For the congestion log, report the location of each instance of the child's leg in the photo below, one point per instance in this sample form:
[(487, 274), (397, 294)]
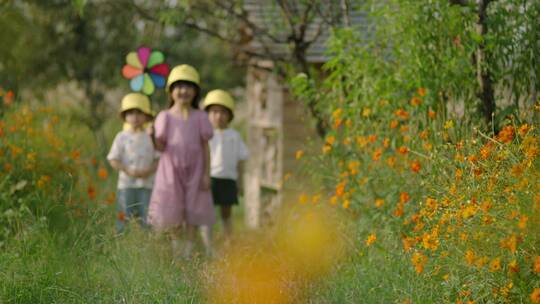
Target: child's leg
[(225, 211), (206, 236), (190, 239), (124, 198), (176, 242), (143, 199)]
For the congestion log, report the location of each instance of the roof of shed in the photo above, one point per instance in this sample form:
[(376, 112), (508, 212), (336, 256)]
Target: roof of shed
[(267, 16)]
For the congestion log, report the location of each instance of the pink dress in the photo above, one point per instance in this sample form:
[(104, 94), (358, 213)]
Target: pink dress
[(177, 196)]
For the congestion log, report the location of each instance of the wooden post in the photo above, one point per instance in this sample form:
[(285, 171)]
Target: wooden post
[(264, 168)]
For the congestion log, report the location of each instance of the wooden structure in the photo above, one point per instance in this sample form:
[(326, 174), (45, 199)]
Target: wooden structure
[(277, 125)]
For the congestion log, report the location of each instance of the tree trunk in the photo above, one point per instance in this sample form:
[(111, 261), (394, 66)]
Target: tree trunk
[(486, 93)]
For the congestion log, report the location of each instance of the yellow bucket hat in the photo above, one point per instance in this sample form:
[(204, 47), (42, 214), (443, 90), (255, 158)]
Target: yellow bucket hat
[(136, 101), (219, 97), (183, 72)]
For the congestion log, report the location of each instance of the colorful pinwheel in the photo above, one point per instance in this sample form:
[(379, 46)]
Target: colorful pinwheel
[(146, 70)]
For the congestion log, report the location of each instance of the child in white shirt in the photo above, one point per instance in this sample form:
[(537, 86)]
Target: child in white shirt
[(132, 153), (227, 153)]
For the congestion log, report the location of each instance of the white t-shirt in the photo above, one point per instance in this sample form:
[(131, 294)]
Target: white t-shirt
[(135, 151), (226, 150)]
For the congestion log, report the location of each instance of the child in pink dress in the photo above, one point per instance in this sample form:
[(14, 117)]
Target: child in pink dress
[(181, 193)]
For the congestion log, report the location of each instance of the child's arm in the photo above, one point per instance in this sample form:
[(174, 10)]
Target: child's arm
[(240, 181), (158, 145), (117, 165), (149, 171), (205, 183)]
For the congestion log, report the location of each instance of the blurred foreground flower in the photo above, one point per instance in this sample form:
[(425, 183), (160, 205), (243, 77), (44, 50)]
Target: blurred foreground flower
[(305, 247)]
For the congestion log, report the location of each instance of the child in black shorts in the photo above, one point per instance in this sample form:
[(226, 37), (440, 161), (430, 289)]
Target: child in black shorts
[(227, 153)]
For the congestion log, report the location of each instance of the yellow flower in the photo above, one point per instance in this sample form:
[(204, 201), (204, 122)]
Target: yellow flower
[(44, 179), (330, 139), (536, 266), (371, 239), (366, 112), (346, 204), (513, 267), (431, 203), (303, 198), (379, 202), (468, 211), (470, 257), (522, 224), (326, 149), (495, 265), (337, 113), (299, 154), (449, 124)]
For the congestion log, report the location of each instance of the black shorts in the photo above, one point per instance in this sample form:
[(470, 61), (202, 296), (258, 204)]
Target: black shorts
[(224, 191)]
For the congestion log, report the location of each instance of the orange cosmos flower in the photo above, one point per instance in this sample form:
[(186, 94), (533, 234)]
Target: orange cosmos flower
[(377, 154), (535, 295), (337, 123), (506, 135), (75, 154), (415, 166), (102, 173), (110, 198), (340, 189), (403, 150), (404, 197), (379, 203), (416, 101), (402, 114), (421, 92), (394, 124), (408, 243), (418, 260), (484, 152), (8, 98), (398, 212), (91, 191), (524, 129), (431, 114), (121, 216), (391, 161), (424, 134), (371, 239)]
